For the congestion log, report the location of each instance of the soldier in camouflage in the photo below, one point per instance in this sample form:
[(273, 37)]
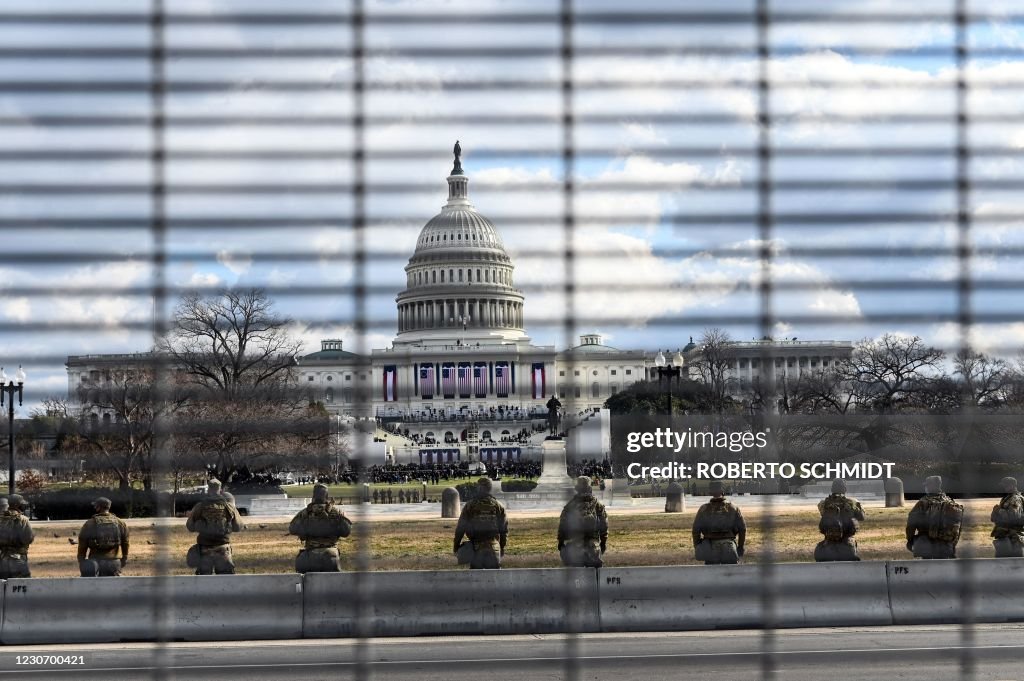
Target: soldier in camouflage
[(484, 521), (100, 541), (15, 536), (319, 526), (840, 516), (583, 528), (213, 519), (1008, 517), (933, 526), (719, 531)]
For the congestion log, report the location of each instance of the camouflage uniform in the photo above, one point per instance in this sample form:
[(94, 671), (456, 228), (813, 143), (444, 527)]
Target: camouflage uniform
[(1008, 533), (100, 540), (719, 532), (15, 536), (319, 526), (583, 531), (933, 526), (214, 519), (484, 521), (839, 517)]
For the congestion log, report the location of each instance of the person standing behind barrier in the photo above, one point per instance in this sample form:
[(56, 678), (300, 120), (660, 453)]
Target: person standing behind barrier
[(100, 540), (719, 531), (840, 516), (213, 519), (484, 521), (583, 528), (1008, 516), (933, 526), (319, 526), (15, 536)]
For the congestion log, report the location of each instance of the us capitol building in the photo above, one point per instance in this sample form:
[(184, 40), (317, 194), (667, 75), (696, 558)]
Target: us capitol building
[(462, 373)]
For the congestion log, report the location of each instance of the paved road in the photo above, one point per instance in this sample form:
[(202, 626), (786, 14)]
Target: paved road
[(851, 654)]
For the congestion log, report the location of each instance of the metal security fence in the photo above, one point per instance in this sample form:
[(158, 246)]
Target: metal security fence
[(777, 169)]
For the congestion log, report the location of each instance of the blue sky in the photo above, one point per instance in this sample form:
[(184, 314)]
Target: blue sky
[(648, 271)]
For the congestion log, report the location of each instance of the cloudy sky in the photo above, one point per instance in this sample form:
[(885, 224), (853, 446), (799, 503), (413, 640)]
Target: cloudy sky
[(666, 172)]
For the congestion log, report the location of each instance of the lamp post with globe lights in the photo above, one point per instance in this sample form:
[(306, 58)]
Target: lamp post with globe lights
[(669, 372), (8, 389)]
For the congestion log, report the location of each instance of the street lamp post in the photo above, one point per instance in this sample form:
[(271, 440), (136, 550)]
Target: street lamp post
[(668, 373), (8, 392)]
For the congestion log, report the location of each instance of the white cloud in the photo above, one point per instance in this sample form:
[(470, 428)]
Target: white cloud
[(237, 263), (18, 309), (203, 280)]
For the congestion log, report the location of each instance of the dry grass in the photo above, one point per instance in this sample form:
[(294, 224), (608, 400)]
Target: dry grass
[(636, 539)]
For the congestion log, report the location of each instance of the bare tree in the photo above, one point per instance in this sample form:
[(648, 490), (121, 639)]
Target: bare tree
[(884, 373), (115, 417), (985, 381), (244, 409), (713, 362)]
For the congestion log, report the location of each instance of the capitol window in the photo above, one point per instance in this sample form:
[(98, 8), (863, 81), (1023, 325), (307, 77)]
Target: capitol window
[(614, 372), (330, 378), (310, 378), (629, 372)]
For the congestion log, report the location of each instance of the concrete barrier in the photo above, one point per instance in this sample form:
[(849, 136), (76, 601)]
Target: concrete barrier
[(106, 609), (531, 601), (730, 596), (930, 591)]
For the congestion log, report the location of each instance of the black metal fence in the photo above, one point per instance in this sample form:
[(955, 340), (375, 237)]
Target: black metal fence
[(770, 168)]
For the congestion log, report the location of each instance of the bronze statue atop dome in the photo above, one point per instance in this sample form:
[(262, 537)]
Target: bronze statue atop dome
[(457, 168)]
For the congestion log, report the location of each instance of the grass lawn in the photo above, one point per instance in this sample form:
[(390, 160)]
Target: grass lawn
[(655, 539)]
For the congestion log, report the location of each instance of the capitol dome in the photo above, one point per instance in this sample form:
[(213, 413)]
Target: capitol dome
[(459, 279)]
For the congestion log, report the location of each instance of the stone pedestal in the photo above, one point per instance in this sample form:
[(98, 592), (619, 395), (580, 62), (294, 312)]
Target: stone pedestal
[(451, 505), (674, 498), (893, 493), (554, 473)]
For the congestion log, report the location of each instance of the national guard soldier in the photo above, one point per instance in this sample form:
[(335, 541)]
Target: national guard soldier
[(840, 516), (15, 536), (319, 526), (484, 521), (100, 540), (583, 528), (1008, 516), (213, 519), (719, 531), (933, 526)]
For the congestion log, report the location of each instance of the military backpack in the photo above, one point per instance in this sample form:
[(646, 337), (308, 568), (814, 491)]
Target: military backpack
[(483, 522), (106, 533), (214, 518), (719, 518), (10, 530), (585, 520), (318, 521), (944, 517), (837, 521)]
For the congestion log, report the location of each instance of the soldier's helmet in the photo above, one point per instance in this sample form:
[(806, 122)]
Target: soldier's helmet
[(1008, 484), (17, 502), (485, 485), (583, 485), (838, 487), (213, 485), (101, 502), (933, 484), (716, 487), (320, 492)]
